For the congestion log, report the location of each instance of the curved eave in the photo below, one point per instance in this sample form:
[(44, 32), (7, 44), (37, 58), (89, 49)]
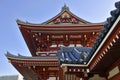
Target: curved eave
[(19, 22), (11, 56), (22, 23), (65, 29)]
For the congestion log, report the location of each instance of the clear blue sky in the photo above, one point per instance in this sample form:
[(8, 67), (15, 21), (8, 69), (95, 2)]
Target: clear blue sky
[(38, 11)]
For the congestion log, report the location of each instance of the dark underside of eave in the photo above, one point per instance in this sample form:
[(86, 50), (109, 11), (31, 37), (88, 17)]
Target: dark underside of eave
[(109, 58)]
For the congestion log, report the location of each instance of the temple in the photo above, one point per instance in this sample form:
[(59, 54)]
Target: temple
[(67, 47)]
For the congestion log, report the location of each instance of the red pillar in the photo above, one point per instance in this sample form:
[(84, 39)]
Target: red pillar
[(61, 74), (45, 73), (56, 76), (45, 77)]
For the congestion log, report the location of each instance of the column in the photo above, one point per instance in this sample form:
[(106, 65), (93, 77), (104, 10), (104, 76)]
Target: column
[(45, 78), (56, 76), (61, 74), (45, 73)]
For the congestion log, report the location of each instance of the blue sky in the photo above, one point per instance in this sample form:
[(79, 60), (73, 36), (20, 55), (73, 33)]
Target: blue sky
[(38, 11)]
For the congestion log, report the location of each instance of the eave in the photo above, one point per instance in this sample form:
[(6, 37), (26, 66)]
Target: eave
[(22, 23), (63, 27), (24, 58)]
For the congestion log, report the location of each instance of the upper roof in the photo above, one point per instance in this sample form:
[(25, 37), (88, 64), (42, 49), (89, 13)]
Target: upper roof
[(65, 17)]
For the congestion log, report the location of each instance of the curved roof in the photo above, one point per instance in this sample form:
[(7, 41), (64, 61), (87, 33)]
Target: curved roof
[(65, 10), (20, 57), (107, 26), (73, 55), (107, 29)]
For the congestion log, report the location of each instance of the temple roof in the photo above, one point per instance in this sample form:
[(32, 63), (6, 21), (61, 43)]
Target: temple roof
[(66, 12), (20, 57), (20, 22), (67, 56), (65, 17), (73, 55), (107, 29)]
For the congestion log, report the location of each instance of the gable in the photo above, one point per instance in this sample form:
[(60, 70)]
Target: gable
[(66, 17)]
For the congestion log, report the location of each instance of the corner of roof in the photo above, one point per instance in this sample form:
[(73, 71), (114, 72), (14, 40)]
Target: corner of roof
[(8, 54), (20, 22)]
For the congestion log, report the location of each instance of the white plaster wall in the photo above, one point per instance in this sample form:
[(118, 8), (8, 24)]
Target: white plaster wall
[(52, 78), (97, 77), (113, 72)]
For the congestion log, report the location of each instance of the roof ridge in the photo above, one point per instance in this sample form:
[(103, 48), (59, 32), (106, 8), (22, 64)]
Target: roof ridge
[(65, 7)]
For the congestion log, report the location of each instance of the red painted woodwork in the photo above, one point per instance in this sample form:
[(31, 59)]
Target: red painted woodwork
[(66, 29)]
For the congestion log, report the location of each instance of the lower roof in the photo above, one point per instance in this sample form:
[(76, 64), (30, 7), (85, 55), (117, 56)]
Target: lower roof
[(73, 55), (20, 57)]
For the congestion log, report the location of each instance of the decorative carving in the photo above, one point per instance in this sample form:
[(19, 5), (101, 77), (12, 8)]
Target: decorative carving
[(75, 36), (66, 19), (57, 36)]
